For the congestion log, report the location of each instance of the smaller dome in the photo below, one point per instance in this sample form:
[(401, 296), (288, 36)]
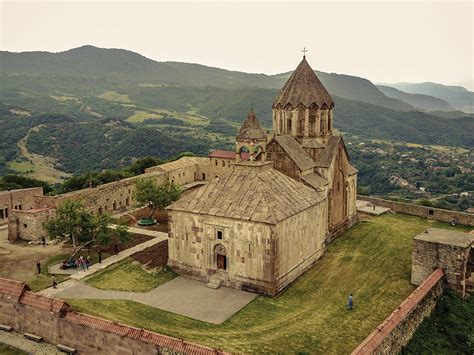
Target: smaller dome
[(251, 129)]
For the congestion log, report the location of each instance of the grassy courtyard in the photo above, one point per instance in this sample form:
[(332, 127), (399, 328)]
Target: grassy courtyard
[(372, 261), (129, 276)]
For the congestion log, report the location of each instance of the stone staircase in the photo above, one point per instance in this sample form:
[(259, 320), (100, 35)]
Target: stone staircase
[(215, 281)]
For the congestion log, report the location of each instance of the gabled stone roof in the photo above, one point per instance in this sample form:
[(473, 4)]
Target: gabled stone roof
[(251, 129), (252, 191), (295, 152), (303, 88), (315, 181)]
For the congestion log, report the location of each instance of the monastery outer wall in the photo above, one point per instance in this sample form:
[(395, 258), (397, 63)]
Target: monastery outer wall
[(431, 213), (299, 248), (452, 259), (53, 320), (111, 197), (398, 328), (249, 250)]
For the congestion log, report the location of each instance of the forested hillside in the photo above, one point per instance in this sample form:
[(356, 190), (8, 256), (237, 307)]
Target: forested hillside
[(91, 108)]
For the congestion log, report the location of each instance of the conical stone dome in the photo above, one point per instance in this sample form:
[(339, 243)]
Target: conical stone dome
[(251, 129), (303, 87)]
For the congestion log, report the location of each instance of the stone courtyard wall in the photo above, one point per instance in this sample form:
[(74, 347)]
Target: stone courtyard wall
[(112, 197), (52, 319), (436, 214), (398, 328)]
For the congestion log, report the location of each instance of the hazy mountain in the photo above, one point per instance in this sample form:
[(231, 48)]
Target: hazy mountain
[(457, 96), (126, 66), (423, 102)]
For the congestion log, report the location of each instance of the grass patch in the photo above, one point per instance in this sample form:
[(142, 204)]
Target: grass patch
[(114, 96), (372, 261), (45, 279), (129, 276), (8, 350), (21, 167), (140, 116)]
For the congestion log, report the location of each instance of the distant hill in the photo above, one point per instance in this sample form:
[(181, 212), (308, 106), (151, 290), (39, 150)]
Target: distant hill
[(457, 96), (96, 108), (126, 66), (422, 102)]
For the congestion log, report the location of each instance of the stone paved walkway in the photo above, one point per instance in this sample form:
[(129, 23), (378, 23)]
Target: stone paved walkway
[(18, 341), (158, 237), (182, 296)]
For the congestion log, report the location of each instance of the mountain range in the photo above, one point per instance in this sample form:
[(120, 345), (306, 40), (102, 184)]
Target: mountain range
[(116, 105)]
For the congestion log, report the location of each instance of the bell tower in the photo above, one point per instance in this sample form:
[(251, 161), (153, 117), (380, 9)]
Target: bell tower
[(251, 139), (303, 108)]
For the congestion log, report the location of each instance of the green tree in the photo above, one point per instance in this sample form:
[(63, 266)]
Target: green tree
[(156, 197), (72, 221)]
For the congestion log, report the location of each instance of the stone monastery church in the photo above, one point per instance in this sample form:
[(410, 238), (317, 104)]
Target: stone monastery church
[(265, 212), (285, 196)]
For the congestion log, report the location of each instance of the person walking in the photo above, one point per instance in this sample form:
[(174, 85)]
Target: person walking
[(99, 253), (88, 261), (350, 302), (38, 266), (43, 241), (116, 248), (55, 282)]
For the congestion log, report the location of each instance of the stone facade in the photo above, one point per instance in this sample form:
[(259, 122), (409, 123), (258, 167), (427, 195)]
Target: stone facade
[(28, 225), (22, 199), (447, 250)]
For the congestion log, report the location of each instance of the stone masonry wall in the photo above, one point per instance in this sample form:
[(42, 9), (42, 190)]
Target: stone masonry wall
[(398, 328), (452, 259), (52, 319), (299, 248), (436, 214), (28, 225), (249, 250), (22, 199)]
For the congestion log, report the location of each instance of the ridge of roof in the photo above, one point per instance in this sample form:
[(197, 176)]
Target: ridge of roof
[(251, 128), (303, 88), (302, 159), (253, 193)]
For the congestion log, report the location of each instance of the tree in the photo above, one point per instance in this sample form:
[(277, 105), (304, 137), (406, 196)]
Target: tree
[(156, 197), (72, 221)]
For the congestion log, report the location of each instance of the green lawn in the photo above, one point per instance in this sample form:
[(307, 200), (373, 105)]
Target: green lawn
[(129, 276), (8, 350), (45, 279), (372, 261)]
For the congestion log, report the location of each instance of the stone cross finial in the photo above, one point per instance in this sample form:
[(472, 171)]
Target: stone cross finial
[(304, 51)]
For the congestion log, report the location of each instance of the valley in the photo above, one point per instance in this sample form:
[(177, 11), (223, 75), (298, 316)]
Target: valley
[(58, 119)]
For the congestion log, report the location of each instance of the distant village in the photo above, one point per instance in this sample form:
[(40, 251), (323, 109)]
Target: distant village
[(434, 175)]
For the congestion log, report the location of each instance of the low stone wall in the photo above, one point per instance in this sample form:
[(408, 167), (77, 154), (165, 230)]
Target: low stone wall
[(436, 214), (52, 319), (398, 328)]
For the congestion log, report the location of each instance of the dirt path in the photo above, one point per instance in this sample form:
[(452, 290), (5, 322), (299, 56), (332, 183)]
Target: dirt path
[(18, 261), (43, 165)]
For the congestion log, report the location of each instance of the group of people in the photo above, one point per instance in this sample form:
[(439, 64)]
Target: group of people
[(80, 262)]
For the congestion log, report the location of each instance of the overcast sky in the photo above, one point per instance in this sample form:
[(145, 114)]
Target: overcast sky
[(384, 42)]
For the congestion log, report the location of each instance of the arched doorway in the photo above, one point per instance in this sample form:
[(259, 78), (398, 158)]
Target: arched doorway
[(220, 253)]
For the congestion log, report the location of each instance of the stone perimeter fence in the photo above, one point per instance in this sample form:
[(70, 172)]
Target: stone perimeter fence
[(432, 213), (397, 329), (56, 323)]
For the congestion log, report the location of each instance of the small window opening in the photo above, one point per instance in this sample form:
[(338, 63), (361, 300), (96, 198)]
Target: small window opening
[(219, 235)]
